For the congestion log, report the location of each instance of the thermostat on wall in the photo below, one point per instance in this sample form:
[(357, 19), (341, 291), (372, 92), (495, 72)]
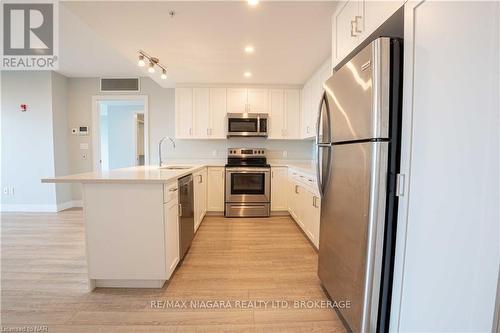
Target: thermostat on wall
[(82, 130)]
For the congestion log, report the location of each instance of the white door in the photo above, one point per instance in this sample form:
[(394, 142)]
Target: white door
[(258, 100), (279, 188), (344, 29), (292, 114), (237, 100), (201, 112), (218, 113), (171, 223), (183, 113), (215, 200), (276, 114)]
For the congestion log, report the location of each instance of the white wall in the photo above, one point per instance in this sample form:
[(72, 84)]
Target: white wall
[(27, 140), (60, 135)]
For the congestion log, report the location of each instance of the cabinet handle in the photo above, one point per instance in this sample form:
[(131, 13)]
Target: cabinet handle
[(173, 189), (307, 129), (356, 18), (297, 189), (315, 201), (200, 180), (179, 210), (353, 29), (190, 131)]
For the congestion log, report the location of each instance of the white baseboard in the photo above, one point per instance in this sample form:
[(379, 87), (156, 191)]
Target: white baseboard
[(70, 204), (40, 208)]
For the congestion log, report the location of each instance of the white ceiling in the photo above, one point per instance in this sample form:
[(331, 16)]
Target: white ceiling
[(202, 43)]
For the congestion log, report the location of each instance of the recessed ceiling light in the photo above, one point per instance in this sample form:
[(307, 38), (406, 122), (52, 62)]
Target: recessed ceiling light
[(247, 74), (253, 2), (249, 49)]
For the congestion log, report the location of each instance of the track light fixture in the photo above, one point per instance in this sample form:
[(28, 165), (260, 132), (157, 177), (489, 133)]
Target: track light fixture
[(153, 62)]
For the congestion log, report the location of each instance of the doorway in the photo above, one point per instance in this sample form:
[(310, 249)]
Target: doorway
[(120, 132)]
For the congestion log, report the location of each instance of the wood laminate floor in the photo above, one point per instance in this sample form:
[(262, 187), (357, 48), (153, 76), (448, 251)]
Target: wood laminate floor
[(238, 264)]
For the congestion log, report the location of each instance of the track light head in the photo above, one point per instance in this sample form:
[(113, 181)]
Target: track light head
[(164, 74), (141, 62)]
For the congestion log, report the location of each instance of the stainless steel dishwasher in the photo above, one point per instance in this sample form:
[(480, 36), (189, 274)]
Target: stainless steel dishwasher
[(186, 214)]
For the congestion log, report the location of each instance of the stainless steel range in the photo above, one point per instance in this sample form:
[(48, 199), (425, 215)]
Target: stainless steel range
[(248, 183)]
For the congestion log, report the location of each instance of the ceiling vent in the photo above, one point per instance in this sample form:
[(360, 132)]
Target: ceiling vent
[(120, 84)]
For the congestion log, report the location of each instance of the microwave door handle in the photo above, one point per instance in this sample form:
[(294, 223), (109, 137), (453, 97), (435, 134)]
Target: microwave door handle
[(258, 124)]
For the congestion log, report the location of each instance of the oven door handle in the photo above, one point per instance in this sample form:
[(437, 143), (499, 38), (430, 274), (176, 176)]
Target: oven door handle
[(248, 170)]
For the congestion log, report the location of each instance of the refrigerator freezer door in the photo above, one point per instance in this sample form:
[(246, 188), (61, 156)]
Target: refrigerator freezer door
[(358, 95), (352, 229)]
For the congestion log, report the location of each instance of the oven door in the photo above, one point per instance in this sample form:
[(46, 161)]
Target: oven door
[(246, 185)]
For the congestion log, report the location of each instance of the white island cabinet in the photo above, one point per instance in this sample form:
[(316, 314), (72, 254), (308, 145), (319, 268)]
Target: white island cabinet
[(132, 224)]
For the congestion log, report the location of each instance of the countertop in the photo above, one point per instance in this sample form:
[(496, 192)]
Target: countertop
[(153, 174)]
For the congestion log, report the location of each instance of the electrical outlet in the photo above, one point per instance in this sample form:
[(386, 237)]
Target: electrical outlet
[(84, 156), (285, 153), (6, 190)]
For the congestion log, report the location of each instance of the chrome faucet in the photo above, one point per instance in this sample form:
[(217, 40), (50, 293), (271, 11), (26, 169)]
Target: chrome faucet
[(159, 147)]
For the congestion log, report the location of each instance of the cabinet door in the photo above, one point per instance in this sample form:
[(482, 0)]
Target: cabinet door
[(197, 206), (201, 115), (258, 100), (276, 113), (218, 112), (237, 100), (183, 113), (292, 114), (344, 30), (204, 183), (215, 200), (298, 202), (306, 128), (171, 223), (312, 208), (279, 177), (290, 190), (377, 12)]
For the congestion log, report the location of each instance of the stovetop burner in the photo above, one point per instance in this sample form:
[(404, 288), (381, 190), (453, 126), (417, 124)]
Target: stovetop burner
[(247, 157)]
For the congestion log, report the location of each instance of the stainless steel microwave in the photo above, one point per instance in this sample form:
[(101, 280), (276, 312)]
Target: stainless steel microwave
[(246, 124)]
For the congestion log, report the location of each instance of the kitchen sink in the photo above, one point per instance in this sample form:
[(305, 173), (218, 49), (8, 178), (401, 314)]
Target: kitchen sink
[(176, 167)]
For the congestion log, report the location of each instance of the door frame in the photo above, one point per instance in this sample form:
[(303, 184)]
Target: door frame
[(96, 142)]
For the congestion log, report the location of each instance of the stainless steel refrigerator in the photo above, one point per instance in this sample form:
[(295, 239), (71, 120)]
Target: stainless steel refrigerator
[(358, 161)]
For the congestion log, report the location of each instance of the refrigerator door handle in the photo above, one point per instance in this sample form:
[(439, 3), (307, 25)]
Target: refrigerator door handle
[(321, 145)]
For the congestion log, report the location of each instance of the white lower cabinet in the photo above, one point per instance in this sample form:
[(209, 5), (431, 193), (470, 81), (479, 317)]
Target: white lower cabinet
[(279, 179), (215, 191), (171, 226), (304, 206), (200, 196)]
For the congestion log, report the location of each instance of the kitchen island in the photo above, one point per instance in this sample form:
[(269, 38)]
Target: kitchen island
[(131, 224)]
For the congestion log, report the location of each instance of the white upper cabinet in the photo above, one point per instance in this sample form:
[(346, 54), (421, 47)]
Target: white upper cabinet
[(183, 113), (276, 125), (354, 21), (258, 100), (284, 114), (311, 96), (292, 114), (346, 28), (237, 100), (218, 112), (241, 100), (201, 114)]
